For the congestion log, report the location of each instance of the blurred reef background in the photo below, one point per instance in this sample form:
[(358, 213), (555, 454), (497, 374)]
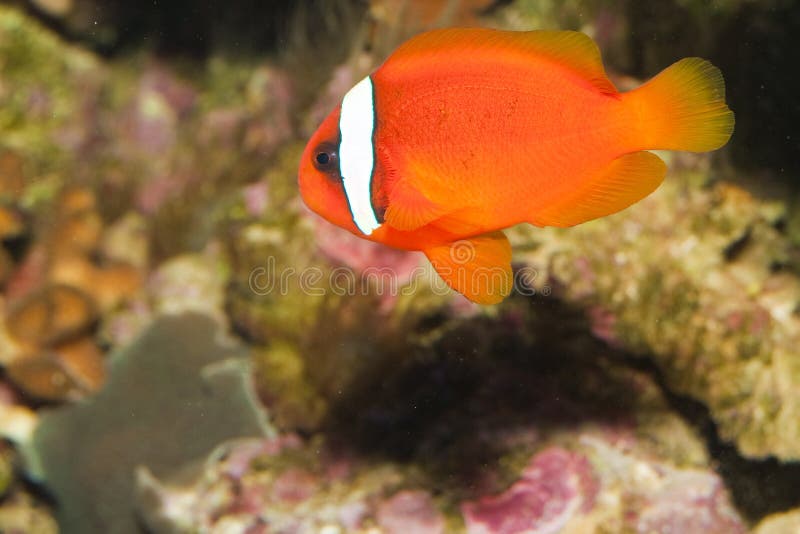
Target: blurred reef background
[(184, 348)]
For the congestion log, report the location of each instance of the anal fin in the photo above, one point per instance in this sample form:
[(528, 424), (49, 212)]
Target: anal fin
[(479, 268), (626, 180)]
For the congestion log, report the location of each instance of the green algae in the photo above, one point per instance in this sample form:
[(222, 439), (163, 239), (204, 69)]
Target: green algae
[(282, 377), (43, 83)]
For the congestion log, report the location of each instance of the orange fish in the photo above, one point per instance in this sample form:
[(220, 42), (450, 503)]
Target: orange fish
[(464, 132)]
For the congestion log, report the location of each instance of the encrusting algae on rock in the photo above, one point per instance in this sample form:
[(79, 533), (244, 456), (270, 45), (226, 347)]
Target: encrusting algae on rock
[(694, 284), (520, 446)]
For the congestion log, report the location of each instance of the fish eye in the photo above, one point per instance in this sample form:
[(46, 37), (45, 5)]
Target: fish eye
[(325, 158)]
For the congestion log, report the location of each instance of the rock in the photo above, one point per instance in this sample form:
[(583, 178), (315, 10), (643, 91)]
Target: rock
[(6, 467), (27, 518), (189, 283), (556, 486), (653, 496), (410, 511), (6, 267), (125, 241), (44, 98), (687, 276), (282, 381), (422, 15), (12, 175), (537, 435), (784, 523), (12, 224), (17, 423)]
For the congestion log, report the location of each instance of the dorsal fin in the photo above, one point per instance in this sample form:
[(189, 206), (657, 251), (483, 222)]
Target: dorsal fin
[(572, 50)]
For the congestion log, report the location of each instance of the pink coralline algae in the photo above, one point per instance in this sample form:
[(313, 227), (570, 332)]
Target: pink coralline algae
[(180, 96), (345, 249), (602, 322), (161, 101), (294, 486), (410, 511), (160, 189), (555, 487), (692, 502), (256, 199), (289, 487)]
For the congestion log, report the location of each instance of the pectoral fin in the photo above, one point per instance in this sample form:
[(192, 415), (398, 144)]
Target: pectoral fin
[(479, 268), (408, 208)]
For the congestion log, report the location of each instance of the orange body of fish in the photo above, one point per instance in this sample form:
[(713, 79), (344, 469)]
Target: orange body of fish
[(464, 132)]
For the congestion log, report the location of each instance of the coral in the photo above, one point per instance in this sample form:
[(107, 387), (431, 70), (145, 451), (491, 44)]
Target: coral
[(171, 397), (54, 314), (49, 354), (56, 296), (689, 276)]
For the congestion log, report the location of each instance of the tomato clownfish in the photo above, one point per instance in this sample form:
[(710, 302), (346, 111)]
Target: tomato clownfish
[(464, 132)]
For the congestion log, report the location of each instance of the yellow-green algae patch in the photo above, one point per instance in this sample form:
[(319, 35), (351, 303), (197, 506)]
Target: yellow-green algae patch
[(43, 82)]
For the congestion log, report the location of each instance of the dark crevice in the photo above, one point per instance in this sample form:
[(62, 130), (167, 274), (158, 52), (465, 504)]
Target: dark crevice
[(183, 28), (758, 487), (545, 372)]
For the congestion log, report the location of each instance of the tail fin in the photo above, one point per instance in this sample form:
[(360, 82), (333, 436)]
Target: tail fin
[(683, 108)]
